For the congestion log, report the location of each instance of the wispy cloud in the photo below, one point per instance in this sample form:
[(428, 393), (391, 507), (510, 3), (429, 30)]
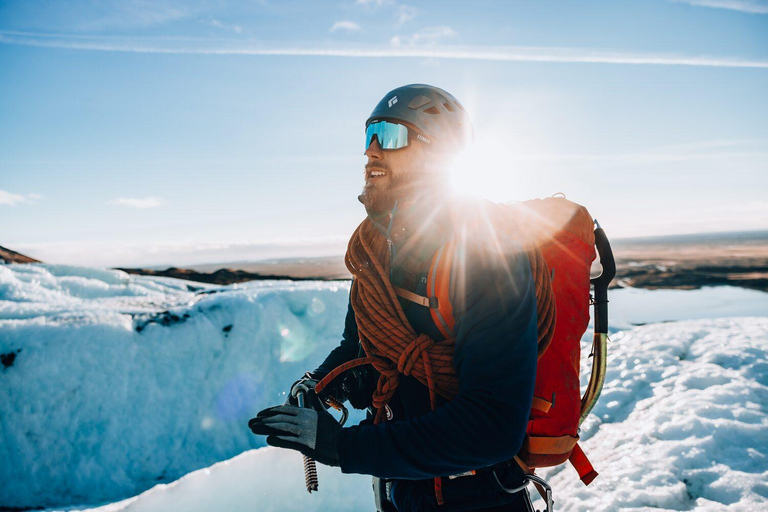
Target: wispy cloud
[(11, 199), (345, 25), (750, 6), (144, 202), (406, 13), (244, 47), (403, 13), (128, 14), (728, 150), (225, 26), (635, 158), (426, 36)]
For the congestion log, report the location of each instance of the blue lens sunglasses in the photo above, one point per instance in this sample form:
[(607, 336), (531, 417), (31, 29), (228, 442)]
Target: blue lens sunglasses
[(391, 135)]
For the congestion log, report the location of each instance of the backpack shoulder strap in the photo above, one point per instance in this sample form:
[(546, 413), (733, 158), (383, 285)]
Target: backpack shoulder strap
[(438, 290), (438, 286)]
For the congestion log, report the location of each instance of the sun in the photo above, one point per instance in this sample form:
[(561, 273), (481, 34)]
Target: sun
[(488, 168)]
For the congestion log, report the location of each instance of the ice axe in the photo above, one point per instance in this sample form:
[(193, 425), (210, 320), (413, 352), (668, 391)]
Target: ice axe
[(600, 340), (310, 466)]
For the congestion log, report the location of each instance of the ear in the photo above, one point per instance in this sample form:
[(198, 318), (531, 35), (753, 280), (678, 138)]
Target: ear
[(437, 164)]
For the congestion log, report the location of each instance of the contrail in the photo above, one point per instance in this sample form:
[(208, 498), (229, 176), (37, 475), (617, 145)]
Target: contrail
[(243, 47)]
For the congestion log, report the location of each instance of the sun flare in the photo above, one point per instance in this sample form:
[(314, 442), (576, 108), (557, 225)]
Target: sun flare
[(488, 168)]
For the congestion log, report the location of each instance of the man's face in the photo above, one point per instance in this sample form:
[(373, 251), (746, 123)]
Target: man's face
[(393, 174)]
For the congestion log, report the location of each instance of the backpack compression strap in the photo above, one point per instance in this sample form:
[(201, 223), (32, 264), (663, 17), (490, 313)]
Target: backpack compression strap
[(581, 464)]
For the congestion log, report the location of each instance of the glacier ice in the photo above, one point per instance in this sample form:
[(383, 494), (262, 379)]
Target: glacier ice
[(119, 384), (682, 425)]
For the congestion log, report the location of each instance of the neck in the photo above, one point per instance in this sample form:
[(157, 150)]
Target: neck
[(417, 220)]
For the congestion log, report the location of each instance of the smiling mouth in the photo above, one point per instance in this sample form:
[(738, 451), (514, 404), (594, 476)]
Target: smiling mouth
[(374, 175)]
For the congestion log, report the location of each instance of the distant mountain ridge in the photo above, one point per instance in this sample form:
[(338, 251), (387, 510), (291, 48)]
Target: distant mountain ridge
[(9, 256), (683, 262), (223, 276)]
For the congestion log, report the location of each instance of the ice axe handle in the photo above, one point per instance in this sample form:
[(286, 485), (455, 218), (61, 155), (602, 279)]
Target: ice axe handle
[(310, 467), (602, 281)]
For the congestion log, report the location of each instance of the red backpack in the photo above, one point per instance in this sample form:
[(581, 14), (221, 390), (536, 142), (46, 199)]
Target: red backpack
[(564, 232)]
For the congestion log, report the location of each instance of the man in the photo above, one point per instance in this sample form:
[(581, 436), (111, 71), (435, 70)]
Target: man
[(450, 452)]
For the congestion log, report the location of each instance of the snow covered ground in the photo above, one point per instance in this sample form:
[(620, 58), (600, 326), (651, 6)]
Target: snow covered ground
[(111, 383), (682, 423), (264, 480)]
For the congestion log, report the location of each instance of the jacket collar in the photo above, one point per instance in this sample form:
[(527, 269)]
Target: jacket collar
[(423, 222)]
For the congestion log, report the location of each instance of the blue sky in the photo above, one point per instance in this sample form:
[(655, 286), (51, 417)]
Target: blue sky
[(169, 132)]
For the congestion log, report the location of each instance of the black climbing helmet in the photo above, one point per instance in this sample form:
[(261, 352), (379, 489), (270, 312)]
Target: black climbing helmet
[(429, 110)]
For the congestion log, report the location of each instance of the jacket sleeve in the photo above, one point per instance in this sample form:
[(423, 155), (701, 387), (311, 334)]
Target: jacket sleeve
[(495, 359), (346, 351)]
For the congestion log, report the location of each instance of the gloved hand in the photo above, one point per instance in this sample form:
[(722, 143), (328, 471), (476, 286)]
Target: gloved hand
[(312, 431)]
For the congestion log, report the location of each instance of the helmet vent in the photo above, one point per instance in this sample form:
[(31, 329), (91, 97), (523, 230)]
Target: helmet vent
[(418, 101), (431, 110), (448, 107)]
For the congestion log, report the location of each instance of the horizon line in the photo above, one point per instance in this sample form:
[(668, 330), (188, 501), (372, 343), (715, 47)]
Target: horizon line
[(479, 53)]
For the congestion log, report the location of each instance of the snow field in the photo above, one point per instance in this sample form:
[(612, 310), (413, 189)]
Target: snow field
[(264, 480), (682, 423), (29, 291)]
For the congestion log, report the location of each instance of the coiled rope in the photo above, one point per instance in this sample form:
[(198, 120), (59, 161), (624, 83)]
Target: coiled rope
[(391, 344)]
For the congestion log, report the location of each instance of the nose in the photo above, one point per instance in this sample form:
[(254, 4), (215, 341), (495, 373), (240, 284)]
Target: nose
[(374, 151)]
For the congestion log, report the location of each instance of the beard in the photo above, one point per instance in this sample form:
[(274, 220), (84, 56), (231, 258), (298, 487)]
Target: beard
[(379, 194)]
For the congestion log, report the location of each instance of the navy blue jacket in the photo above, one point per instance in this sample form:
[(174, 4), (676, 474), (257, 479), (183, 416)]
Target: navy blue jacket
[(492, 293)]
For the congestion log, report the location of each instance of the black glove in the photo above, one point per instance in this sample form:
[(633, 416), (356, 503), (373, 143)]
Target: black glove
[(312, 431)]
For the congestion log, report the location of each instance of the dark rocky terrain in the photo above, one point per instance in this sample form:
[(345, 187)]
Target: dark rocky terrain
[(222, 276), (677, 262), (9, 256), (692, 261)]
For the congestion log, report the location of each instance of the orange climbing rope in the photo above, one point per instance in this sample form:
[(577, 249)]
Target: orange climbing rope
[(391, 344)]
